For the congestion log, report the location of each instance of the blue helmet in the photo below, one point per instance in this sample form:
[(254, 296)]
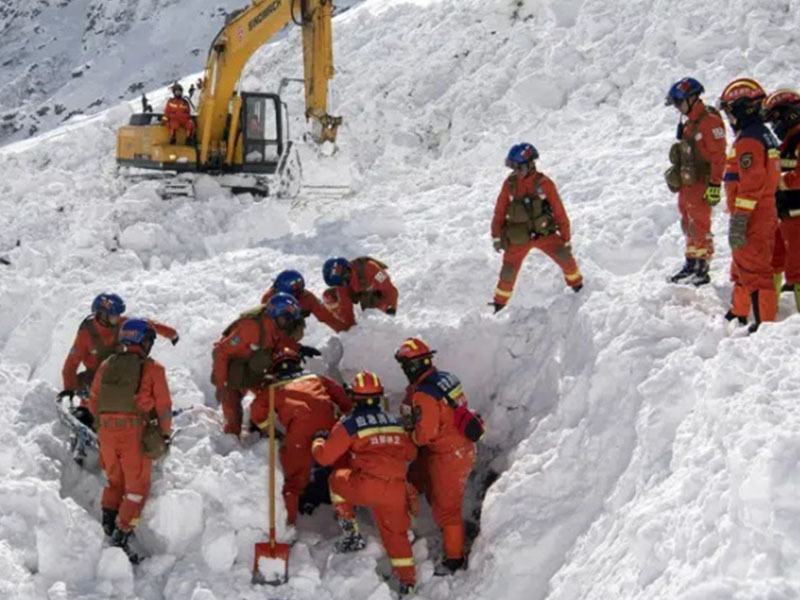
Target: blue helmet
[(334, 271), (289, 282), (683, 90), (137, 331), (283, 305), (109, 304), (521, 154)]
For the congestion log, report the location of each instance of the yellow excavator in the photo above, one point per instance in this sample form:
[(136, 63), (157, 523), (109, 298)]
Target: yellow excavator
[(238, 132)]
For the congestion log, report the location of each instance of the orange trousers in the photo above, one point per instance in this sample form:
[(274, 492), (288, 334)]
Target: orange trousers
[(786, 255), (696, 221), (553, 246), (442, 477), (232, 411), (127, 469), (387, 499), (751, 271), (176, 124)]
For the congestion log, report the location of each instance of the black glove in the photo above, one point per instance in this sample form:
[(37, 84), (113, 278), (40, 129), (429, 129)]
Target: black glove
[(65, 393), (309, 351), (321, 434), (167, 440), (391, 311), (175, 339)]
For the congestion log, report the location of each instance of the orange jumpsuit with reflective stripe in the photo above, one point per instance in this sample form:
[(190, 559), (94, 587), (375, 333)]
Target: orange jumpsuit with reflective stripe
[(310, 305), (304, 405), (178, 115), (120, 439), (445, 457), (552, 245), (786, 258), (84, 348), (340, 300), (708, 132), (244, 338), (751, 178), (379, 452)]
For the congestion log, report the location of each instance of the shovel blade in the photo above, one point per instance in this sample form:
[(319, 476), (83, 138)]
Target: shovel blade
[(271, 563)]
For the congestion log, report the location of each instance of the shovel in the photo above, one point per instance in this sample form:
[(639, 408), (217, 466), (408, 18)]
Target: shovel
[(271, 561)]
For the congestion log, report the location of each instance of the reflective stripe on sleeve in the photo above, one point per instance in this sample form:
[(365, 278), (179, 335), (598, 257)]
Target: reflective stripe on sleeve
[(745, 204)]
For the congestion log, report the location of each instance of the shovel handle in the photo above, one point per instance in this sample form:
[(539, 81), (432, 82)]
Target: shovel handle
[(272, 466)]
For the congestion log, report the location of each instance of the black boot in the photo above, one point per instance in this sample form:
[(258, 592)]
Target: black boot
[(350, 540), (729, 316), (687, 270), (497, 307), (404, 589), (577, 288), (109, 521), (121, 539), (756, 313), (787, 287), (448, 566), (701, 276)]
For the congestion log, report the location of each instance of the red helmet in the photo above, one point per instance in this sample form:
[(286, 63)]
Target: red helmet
[(413, 348), (176, 87), (286, 361), (367, 384), (742, 88), (779, 99)]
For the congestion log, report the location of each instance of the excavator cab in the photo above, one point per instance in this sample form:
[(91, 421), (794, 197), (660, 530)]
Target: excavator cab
[(263, 133)]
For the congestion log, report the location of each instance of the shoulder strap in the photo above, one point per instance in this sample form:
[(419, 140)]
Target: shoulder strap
[(97, 341)]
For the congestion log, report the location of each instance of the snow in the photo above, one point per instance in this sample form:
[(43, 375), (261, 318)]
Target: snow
[(646, 448)]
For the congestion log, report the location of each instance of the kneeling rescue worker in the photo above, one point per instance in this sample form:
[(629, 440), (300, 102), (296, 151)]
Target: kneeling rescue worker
[(379, 451), (304, 404), (96, 340), (445, 430), (130, 388), (242, 357), (698, 161), (363, 281), (782, 110), (529, 214), (751, 178), (292, 282), (178, 115)]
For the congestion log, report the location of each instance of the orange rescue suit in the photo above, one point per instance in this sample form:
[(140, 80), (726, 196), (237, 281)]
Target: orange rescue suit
[(310, 305), (751, 178), (379, 451), (94, 343), (367, 276), (707, 130), (178, 115), (553, 245), (787, 238), (120, 438), (304, 405), (445, 457), (243, 338)]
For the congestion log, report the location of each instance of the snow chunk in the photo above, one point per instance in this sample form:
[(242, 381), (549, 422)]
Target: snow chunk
[(115, 567), (219, 546), (176, 518)]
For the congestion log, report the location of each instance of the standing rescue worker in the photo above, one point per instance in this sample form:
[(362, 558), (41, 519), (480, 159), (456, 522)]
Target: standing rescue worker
[(304, 404), (698, 162), (782, 110), (292, 282), (129, 388), (446, 455), (529, 214), (363, 281), (751, 178), (96, 340), (178, 115), (242, 357), (379, 451)]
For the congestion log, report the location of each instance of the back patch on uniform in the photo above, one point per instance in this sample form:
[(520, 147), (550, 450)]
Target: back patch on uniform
[(746, 160)]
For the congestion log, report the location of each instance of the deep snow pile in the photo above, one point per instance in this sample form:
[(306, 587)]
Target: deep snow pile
[(645, 450)]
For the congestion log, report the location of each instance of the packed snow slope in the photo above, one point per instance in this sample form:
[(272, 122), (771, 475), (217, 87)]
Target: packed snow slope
[(645, 450)]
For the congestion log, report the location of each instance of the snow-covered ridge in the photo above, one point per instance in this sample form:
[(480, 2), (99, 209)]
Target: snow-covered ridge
[(646, 452)]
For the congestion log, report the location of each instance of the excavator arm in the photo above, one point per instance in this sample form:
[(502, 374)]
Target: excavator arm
[(245, 32)]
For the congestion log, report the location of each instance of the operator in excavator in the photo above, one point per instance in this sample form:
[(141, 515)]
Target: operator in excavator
[(178, 115)]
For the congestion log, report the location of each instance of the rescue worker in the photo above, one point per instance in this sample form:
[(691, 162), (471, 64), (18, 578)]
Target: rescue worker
[(782, 110), (698, 162), (292, 282), (379, 451), (363, 281), (446, 456), (95, 341), (529, 214), (304, 404), (178, 115), (751, 178), (242, 357), (128, 387)]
